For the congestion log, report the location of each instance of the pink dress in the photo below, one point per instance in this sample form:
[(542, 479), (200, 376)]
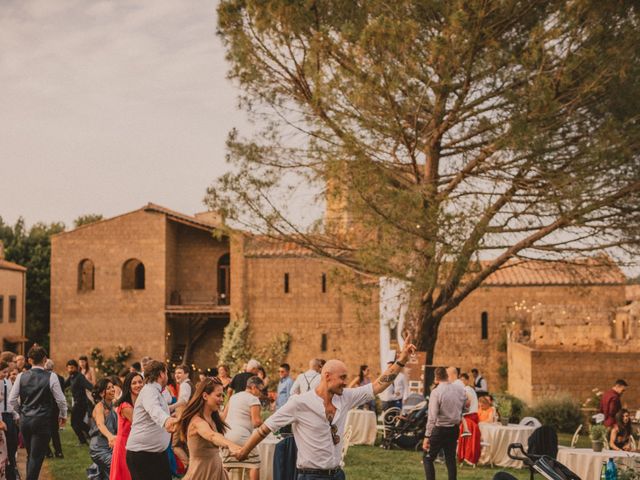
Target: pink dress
[(119, 470)]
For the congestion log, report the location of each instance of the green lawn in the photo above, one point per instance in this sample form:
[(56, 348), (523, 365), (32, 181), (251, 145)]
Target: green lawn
[(363, 463)]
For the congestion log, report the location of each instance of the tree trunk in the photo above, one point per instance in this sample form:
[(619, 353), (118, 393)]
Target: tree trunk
[(426, 342)]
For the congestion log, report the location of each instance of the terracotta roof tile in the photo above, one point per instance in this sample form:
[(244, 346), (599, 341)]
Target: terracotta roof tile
[(259, 246), (5, 265), (579, 272)]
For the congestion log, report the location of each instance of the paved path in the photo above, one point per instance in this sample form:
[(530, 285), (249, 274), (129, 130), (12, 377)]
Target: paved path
[(22, 465)]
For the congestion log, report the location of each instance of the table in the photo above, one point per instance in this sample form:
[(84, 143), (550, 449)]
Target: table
[(498, 437), (587, 464), (266, 448), (363, 423)]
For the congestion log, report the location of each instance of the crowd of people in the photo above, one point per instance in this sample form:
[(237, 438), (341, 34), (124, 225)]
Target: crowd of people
[(149, 423)]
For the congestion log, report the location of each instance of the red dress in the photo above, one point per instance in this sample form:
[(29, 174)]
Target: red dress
[(469, 447), (119, 470)]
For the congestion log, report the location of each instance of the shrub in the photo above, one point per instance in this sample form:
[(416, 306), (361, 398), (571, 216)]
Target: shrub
[(562, 413), (106, 365), (598, 433), (518, 407)]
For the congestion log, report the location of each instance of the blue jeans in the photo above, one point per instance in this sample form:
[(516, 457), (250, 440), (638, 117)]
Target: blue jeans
[(312, 476)]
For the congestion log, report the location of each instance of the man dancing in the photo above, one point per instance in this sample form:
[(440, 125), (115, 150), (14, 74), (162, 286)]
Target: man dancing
[(319, 416)]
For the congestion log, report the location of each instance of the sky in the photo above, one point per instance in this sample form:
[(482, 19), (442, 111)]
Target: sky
[(108, 105)]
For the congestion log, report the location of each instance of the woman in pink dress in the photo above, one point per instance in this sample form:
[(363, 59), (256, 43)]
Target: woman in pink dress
[(133, 383)]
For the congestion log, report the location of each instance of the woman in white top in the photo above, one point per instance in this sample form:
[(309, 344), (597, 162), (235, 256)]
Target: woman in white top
[(243, 415)]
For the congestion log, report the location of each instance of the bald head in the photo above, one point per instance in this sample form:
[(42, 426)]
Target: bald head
[(452, 373), (315, 364), (334, 376)]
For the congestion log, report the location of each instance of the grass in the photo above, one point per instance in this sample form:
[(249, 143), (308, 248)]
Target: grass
[(362, 463)]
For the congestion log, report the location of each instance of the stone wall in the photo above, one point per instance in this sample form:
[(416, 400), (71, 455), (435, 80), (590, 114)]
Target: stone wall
[(459, 339), (536, 374), (306, 313), (108, 315), (12, 284)]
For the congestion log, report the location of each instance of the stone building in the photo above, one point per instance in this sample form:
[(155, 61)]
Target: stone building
[(163, 283), (13, 287)]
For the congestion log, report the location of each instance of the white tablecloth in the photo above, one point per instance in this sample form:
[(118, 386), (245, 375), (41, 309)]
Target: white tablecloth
[(498, 437), (266, 448), (363, 423), (587, 464)]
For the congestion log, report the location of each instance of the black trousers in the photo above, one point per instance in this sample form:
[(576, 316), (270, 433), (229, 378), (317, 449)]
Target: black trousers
[(12, 444), (149, 465), (55, 435), (36, 433), (80, 428), (442, 438)]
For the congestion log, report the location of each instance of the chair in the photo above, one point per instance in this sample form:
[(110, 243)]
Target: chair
[(485, 450), (576, 436), (531, 422), (346, 442), (632, 442)]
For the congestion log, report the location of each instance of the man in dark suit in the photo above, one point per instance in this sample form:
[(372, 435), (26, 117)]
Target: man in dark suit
[(55, 430), (33, 396), (79, 386)]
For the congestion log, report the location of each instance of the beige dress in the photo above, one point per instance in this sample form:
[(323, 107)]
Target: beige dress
[(204, 460)]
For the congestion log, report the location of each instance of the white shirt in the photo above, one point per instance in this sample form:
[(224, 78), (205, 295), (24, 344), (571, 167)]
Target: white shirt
[(149, 416), (184, 393), (473, 399), (5, 406), (56, 391), (311, 428), (239, 416), (305, 381)]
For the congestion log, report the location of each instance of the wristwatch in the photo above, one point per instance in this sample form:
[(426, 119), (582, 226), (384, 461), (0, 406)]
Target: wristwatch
[(401, 365)]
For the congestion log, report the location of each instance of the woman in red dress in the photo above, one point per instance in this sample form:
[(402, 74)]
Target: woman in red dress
[(133, 383)]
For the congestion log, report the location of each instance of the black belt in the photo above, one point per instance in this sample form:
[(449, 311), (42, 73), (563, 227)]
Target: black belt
[(316, 471)]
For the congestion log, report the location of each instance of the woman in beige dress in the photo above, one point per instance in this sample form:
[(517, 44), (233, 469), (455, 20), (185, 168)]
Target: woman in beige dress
[(203, 430)]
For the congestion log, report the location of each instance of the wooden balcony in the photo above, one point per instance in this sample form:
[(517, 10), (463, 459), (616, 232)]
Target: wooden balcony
[(197, 302)]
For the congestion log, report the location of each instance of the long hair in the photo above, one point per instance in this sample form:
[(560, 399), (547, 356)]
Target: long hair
[(126, 389), (99, 388), (623, 428), (196, 407), (361, 374)]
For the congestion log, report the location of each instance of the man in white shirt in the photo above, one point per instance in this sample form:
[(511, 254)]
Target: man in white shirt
[(147, 458), (9, 418), (308, 380), (319, 416), (184, 388)]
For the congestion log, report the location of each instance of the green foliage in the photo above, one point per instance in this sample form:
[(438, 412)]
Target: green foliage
[(87, 219), (518, 407), (236, 349), (235, 343), (111, 365), (505, 408), (31, 248), (438, 133), (598, 433), (562, 413), (593, 401), (503, 369)]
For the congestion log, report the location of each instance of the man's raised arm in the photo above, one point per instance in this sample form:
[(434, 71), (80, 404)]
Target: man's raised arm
[(390, 374)]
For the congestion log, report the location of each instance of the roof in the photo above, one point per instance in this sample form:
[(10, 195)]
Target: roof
[(540, 272), (5, 265), (516, 272), (152, 207), (179, 217), (261, 246)]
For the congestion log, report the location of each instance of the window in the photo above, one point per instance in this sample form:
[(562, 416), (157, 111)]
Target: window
[(323, 343), (286, 283), (224, 279), (1, 308), (86, 275), (324, 283), (13, 308), (133, 275), (484, 325)]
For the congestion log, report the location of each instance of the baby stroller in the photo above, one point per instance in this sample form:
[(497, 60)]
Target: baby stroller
[(406, 431), (544, 465)]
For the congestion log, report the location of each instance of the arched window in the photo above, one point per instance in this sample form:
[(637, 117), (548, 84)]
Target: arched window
[(86, 275), (484, 325), (224, 279), (133, 275)]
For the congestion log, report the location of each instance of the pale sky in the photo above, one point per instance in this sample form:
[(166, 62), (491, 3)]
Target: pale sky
[(108, 105)]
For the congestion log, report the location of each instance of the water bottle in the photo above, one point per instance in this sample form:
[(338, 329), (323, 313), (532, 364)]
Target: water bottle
[(612, 470)]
